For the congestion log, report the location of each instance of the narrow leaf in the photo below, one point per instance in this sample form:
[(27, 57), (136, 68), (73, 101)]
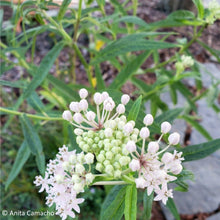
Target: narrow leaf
[(21, 158), (199, 151), (63, 9), (200, 8), (172, 207), (99, 78), (148, 202), (130, 210), (113, 206), (134, 111)]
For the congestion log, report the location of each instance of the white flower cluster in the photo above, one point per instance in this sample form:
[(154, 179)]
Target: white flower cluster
[(154, 170), (94, 121), (65, 177), (214, 12), (185, 61)]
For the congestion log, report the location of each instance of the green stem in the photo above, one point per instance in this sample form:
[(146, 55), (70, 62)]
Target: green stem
[(8, 111)]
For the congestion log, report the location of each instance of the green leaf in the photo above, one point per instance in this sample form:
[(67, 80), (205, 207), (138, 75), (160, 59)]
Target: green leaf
[(35, 102), (33, 142), (43, 69), (1, 17), (148, 202), (182, 15), (21, 158), (72, 139), (113, 206), (131, 19), (132, 42), (197, 126), (200, 8), (130, 210), (17, 84), (169, 115), (99, 78), (128, 71), (134, 111), (172, 207), (199, 151), (63, 9)]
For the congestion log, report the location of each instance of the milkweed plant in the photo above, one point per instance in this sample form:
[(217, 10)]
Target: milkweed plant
[(104, 136)]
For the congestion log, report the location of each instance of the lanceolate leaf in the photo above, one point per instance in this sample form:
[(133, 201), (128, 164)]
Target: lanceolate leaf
[(199, 151), (63, 9), (148, 202), (200, 8), (129, 70), (135, 109), (43, 69), (113, 206), (172, 207), (130, 210), (21, 158)]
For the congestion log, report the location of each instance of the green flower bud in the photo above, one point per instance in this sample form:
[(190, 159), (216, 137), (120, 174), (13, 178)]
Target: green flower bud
[(124, 160), (125, 151), (100, 144), (117, 165), (114, 143), (117, 174), (78, 139), (99, 167), (134, 137), (136, 131), (102, 134), (121, 125), (85, 134), (89, 178), (119, 135), (106, 141), (109, 155), (73, 159), (94, 146), (86, 148), (108, 147), (102, 152), (109, 169), (90, 141), (86, 139), (96, 139), (117, 157), (81, 144), (75, 178), (100, 158), (123, 118), (91, 134), (115, 150), (106, 163), (80, 158)]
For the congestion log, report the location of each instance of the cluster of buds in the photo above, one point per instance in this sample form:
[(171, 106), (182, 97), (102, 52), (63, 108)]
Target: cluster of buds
[(155, 166), (65, 177), (185, 61), (89, 120), (214, 12)]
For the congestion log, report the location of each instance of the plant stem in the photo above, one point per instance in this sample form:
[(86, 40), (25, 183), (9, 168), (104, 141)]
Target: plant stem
[(8, 111)]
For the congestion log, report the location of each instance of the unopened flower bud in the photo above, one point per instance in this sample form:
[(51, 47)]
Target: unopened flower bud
[(176, 168), (109, 104), (128, 128), (144, 132), (83, 105), (78, 118), (148, 119), (167, 157), (78, 187), (83, 93), (100, 158), (140, 182), (135, 165), (79, 168), (105, 95), (72, 159), (90, 116), (98, 98), (174, 138), (89, 178), (120, 109), (59, 178), (153, 147), (67, 115), (108, 132), (124, 160), (74, 106), (99, 167), (117, 174), (78, 131), (109, 155), (66, 165), (125, 99), (131, 146), (109, 169), (75, 178), (165, 127), (80, 157), (89, 158)]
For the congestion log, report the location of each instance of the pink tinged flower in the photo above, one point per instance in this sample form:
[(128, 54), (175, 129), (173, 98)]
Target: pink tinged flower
[(78, 118), (163, 194), (67, 115), (167, 158), (74, 106), (128, 128), (174, 138), (83, 105), (109, 104), (176, 168), (125, 99), (98, 98), (148, 119), (83, 93), (120, 109), (131, 146), (178, 156), (135, 165), (153, 147), (144, 132), (140, 182), (39, 180), (165, 127), (105, 95), (90, 116)]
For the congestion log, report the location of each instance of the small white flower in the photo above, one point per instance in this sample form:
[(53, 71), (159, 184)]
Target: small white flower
[(89, 158), (125, 99), (153, 147), (74, 106), (98, 98), (144, 132), (120, 109), (89, 178), (174, 138), (140, 182), (135, 165), (108, 132), (83, 93), (167, 157), (163, 194), (79, 168), (67, 115), (78, 187), (165, 127), (148, 119), (78, 118), (131, 146)]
